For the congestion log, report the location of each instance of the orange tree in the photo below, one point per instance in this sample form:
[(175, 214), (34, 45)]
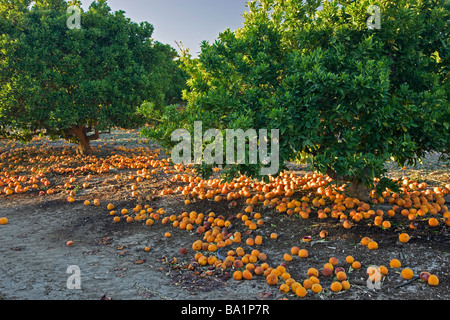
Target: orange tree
[(349, 96), (74, 83)]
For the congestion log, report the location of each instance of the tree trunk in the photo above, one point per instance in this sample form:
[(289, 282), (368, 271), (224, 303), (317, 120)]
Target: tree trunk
[(356, 189), (81, 132)]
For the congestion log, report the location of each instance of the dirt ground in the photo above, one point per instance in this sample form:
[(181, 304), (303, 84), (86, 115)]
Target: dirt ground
[(113, 263)]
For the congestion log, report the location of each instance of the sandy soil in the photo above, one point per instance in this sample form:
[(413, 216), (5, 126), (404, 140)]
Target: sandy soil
[(113, 263)]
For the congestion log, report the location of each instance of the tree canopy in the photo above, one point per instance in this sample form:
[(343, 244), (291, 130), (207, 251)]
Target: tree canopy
[(73, 83), (347, 96)]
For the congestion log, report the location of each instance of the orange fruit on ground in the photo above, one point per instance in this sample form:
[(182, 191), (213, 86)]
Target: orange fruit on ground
[(341, 276), (303, 253), (349, 259), (316, 288), (301, 291), (395, 263), (70, 243), (147, 249), (403, 237), (247, 274), (258, 240), (336, 286), (407, 273), (433, 222), (287, 257), (383, 270), (272, 279), (365, 241), (110, 206), (345, 285), (433, 280), (312, 272), (284, 288), (87, 202), (3, 221), (167, 235), (307, 283), (373, 245), (237, 275), (149, 222), (356, 265), (334, 261), (273, 236), (116, 219), (295, 250)]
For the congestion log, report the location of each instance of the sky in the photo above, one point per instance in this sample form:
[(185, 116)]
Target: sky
[(186, 21)]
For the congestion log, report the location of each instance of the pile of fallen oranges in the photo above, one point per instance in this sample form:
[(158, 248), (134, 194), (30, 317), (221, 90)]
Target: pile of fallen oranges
[(310, 196)]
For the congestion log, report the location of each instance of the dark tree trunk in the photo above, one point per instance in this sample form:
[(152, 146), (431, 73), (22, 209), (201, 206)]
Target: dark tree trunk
[(81, 132), (356, 189)]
